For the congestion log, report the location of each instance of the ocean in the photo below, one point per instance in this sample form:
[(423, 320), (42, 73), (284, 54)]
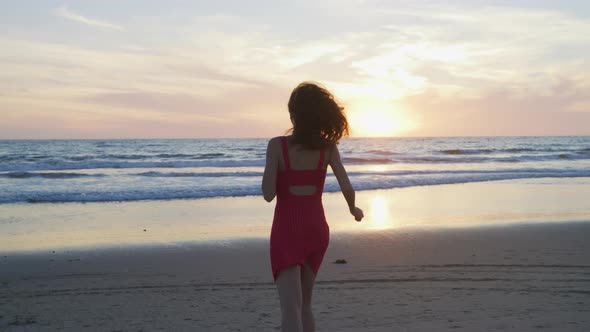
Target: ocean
[(54, 171)]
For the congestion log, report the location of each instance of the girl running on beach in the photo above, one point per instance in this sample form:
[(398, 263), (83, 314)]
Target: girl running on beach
[(295, 172)]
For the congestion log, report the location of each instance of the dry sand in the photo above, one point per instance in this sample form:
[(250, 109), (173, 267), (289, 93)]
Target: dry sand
[(525, 277)]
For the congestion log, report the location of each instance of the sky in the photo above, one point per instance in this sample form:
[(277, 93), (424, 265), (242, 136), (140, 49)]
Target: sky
[(197, 69)]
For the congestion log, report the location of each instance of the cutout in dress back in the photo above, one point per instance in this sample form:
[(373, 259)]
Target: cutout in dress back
[(300, 190), (305, 190)]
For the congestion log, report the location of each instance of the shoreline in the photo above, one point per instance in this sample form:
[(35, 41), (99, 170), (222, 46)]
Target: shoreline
[(70, 226)]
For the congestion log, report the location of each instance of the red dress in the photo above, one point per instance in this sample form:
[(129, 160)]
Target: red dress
[(299, 232)]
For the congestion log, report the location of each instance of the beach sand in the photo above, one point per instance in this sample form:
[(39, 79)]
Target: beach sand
[(422, 275)]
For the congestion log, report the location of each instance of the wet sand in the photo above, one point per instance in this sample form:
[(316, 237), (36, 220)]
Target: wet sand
[(47, 227)]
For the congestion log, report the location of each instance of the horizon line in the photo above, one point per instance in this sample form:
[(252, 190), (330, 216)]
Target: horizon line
[(213, 138)]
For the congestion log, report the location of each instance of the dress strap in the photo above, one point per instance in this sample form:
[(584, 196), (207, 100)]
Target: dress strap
[(321, 162), (285, 152)]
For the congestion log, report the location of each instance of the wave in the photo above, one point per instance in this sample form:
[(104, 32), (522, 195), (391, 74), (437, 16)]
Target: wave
[(361, 183), (38, 161), (139, 156), (57, 166), (389, 183), (17, 157), (356, 160), (472, 156), (60, 175), (105, 144), (81, 165), (209, 155), (161, 155), (350, 173), (508, 150), (547, 171), (490, 158), (193, 174), (382, 152), (156, 174), (466, 151)]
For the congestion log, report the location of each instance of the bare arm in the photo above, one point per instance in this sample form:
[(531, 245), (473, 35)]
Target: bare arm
[(344, 182), (269, 179)]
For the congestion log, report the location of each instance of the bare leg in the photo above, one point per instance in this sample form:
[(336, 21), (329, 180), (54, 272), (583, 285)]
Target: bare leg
[(307, 280), (289, 286)]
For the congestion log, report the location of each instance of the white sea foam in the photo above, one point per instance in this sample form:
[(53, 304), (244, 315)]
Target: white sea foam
[(126, 170)]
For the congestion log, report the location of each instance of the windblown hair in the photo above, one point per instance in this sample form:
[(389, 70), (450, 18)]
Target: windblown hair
[(319, 121)]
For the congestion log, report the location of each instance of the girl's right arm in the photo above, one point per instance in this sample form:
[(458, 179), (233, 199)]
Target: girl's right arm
[(344, 182), (269, 179)]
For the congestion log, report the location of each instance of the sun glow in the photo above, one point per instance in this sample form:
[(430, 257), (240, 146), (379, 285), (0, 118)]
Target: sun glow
[(379, 121), (378, 216)]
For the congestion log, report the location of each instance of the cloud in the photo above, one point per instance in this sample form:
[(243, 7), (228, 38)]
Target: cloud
[(67, 14), (439, 62), (503, 111)]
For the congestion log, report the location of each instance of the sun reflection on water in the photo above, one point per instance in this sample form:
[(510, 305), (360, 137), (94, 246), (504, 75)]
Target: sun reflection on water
[(378, 216)]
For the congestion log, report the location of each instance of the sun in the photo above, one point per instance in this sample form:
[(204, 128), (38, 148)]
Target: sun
[(379, 121)]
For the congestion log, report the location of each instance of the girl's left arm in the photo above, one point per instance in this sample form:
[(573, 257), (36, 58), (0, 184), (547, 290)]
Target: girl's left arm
[(269, 179)]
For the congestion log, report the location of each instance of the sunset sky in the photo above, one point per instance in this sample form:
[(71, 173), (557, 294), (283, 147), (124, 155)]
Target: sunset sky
[(191, 69)]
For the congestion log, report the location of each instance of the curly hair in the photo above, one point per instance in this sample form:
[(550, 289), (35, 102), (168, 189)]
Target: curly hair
[(318, 120)]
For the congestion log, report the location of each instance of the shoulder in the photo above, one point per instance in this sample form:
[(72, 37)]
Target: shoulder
[(274, 143), (275, 140), (332, 151), (332, 147)]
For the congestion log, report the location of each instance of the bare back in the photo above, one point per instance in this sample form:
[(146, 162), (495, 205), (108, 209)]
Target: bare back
[(302, 159)]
